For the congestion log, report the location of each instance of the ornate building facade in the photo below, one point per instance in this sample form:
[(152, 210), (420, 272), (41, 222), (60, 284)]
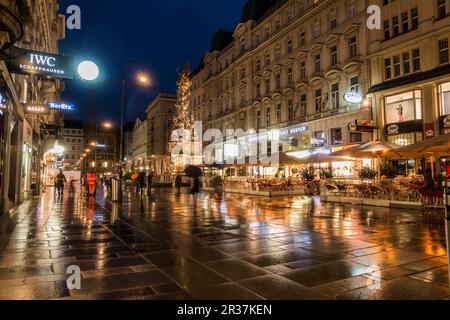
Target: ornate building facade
[(410, 72), (297, 66), (27, 139)]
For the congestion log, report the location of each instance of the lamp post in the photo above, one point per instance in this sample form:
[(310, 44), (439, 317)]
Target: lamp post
[(90, 72)]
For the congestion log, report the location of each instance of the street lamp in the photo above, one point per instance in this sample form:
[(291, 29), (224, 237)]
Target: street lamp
[(88, 71)]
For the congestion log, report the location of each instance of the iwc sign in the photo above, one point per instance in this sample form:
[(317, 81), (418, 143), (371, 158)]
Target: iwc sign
[(43, 64)]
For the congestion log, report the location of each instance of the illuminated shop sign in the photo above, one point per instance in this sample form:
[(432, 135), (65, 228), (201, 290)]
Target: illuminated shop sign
[(405, 127), (36, 109), (61, 106), (353, 97), (294, 130), (43, 64)]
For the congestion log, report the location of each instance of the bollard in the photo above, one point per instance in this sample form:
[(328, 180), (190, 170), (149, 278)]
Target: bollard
[(115, 189)]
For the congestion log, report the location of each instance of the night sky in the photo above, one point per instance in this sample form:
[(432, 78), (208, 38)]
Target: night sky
[(158, 36)]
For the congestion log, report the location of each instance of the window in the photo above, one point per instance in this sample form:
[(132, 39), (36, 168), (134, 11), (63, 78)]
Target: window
[(387, 68), (406, 63), (291, 115), (267, 81), (277, 53), (387, 30), (414, 19), (403, 107), (355, 137), (258, 64), (243, 73), (318, 101), (319, 139), (395, 26), (336, 136), (353, 51), (278, 81), (444, 97), (443, 51), (416, 59), (335, 96), (317, 63), (303, 105), (316, 31), (334, 56), (279, 113), (405, 22), (441, 9), (258, 90), (302, 39), (333, 23), (258, 120), (351, 8), (397, 67), (303, 70), (290, 47), (268, 117), (267, 59), (290, 76), (354, 84)]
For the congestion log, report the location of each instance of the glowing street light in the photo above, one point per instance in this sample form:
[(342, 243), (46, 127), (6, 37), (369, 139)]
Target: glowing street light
[(88, 70)]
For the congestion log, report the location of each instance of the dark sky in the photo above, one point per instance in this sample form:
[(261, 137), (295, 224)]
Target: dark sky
[(159, 36)]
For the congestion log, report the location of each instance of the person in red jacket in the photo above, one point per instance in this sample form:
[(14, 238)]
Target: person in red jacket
[(92, 183)]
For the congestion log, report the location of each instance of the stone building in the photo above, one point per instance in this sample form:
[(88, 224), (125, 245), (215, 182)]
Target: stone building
[(160, 115), (410, 72), (293, 66), (26, 138), (139, 155), (73, 144)]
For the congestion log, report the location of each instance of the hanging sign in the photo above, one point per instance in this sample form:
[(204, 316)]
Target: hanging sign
[(61, 106), (353, 97), (37, 109), (42, 64)]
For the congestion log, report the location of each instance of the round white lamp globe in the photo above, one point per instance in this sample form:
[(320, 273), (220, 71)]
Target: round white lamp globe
[(88, 70)]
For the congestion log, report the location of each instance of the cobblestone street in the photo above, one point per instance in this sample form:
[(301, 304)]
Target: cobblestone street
[(239, 247)]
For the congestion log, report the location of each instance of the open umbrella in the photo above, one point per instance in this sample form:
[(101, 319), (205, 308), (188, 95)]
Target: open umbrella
[(373, 150), (193, 172), (436, 147), (322, 158)]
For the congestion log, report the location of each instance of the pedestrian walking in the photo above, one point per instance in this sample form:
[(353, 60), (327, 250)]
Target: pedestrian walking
[(150, 178), (178, 183), (92, 183), (140, 184), (60, 181), (195, 190)]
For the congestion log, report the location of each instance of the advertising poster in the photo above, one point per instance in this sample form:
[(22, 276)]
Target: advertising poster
[(399, 112)]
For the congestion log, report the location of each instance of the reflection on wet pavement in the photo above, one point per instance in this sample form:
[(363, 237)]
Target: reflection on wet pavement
[(239, 247)]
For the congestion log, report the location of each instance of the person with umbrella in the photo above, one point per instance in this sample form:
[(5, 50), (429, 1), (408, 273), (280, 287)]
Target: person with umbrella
[(195, 173)]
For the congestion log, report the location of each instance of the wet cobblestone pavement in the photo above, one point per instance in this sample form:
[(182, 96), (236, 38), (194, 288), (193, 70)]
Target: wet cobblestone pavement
[(239, 248)]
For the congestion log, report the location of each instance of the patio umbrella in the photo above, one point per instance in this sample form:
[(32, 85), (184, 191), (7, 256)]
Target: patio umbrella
[(193, 172), (436, 147), (322, 158), (373, 150)]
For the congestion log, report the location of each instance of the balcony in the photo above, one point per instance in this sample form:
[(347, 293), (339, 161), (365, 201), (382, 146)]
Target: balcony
[(11, 23)]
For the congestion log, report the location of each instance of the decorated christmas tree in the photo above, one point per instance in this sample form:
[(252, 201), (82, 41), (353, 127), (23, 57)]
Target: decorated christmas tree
[(183, 119)]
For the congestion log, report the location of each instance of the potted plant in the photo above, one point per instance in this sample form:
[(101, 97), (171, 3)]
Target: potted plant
[(389, 171), (367, 174), (309, 174)]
